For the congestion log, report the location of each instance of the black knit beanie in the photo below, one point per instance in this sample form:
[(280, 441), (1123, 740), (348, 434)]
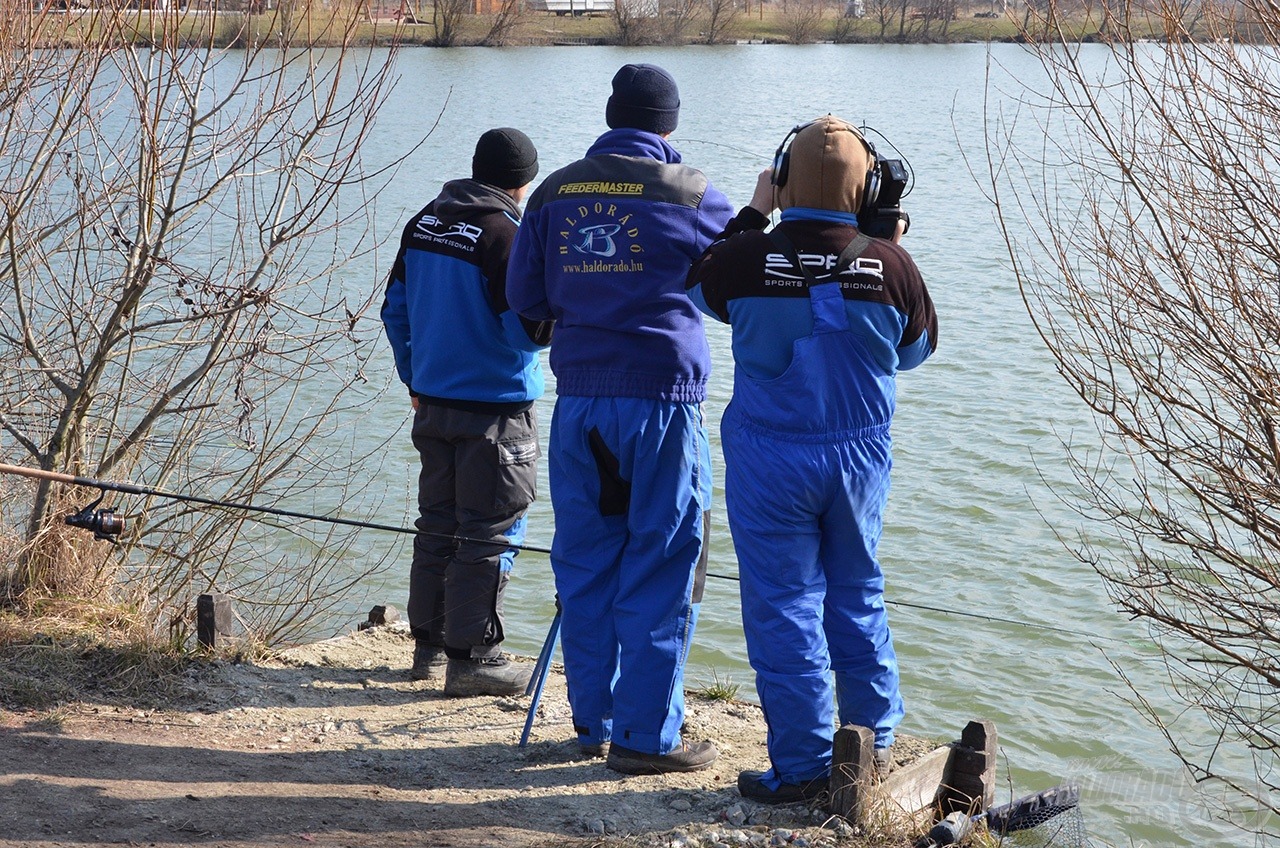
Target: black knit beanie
[(505, 158), (644, 97)]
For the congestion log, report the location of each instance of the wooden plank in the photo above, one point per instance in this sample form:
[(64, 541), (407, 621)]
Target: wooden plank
[(852, 772), (912, 791)]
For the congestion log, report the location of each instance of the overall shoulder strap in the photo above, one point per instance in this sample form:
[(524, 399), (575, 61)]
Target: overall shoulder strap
[(851, 252), (788, 250)]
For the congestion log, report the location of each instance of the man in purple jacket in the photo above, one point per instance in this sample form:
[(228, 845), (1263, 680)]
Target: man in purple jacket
[(604, 248)]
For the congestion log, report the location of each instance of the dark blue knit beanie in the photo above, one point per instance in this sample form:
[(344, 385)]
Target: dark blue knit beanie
[(644, 97)]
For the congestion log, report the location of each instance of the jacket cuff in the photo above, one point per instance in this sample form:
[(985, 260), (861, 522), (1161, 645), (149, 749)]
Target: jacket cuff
[(750, 218)]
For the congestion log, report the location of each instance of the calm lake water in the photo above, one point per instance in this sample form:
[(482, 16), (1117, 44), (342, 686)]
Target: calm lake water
[(972, 518)]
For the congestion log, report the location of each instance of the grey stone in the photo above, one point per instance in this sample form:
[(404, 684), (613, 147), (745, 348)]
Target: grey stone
[(682, 805), (735, 815)]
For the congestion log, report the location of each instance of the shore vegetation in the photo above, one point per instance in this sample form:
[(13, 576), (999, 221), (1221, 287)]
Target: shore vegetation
[(170, 228), (498, 23), (1144, 243)]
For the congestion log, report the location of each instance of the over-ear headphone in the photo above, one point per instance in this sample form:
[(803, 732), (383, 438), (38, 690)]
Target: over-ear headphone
[(871, 184)]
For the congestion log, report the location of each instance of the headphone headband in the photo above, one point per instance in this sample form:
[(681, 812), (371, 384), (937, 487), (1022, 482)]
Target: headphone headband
[(871, 184)]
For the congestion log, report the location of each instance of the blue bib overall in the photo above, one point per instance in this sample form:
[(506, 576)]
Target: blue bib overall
[(807, 459)]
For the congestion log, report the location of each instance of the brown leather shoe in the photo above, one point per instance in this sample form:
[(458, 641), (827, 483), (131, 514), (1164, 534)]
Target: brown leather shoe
[(684, 757)]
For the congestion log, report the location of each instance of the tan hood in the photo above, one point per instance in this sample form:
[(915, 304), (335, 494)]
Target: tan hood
[(827, 168)]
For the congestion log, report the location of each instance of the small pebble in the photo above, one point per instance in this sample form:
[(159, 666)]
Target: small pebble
[(841, 827), (682, 805), (596, 826), (736, 816)]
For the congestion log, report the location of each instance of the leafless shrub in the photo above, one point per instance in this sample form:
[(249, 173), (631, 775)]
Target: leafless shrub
[(844, 28), (446, 17), (722, 18), (171, 219), (635, 22), (505, 21), (1144, 227), (675, 19), (801, 19), (882, 12)]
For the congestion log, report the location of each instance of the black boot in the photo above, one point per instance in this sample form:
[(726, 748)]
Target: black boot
[(751, 788), (428, 661), (486, 676)]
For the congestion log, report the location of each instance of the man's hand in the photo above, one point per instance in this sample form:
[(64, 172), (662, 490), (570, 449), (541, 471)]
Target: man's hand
[(762, 201), (413, 399), (898, 231)]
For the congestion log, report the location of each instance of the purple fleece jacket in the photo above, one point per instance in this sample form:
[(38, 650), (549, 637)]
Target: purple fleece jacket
[(604, 248)]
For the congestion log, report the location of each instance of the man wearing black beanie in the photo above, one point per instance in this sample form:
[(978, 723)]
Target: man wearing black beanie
[(472, 370), (604, 250)]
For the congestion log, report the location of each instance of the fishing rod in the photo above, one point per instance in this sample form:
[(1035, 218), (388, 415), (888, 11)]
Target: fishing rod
[(106, 525), (961, 613)]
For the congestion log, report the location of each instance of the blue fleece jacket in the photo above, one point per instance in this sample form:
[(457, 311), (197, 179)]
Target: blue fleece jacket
[(455, 340), (604, 249)]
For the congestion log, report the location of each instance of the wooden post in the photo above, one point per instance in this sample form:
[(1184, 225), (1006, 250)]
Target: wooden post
[(971, 779), (852, 771), (214, 618)]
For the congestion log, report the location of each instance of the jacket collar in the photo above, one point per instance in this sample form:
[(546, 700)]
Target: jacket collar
[(626, 141), (462, 197), (804, 213)]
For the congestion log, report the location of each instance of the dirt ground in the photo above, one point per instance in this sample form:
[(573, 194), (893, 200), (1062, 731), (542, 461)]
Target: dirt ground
[(332, 745)]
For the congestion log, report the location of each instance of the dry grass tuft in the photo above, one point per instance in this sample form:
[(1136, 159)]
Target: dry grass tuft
[(60, 562), (64, 650)]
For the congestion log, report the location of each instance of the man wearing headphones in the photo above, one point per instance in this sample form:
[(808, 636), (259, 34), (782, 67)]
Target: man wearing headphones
[(823, 317)]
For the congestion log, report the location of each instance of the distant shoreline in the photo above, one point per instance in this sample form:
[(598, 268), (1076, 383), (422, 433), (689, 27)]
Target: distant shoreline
[(411, 24)]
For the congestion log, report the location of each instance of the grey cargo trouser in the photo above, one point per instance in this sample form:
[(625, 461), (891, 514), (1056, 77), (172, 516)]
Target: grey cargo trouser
[(479, 475)]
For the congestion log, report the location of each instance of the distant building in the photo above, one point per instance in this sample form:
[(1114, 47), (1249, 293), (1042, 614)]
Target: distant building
[(569, 7)]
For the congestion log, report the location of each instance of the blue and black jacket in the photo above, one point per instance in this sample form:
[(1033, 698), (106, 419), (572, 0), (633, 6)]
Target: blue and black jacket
[(604, 250), (456, 341), (744, 280)]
